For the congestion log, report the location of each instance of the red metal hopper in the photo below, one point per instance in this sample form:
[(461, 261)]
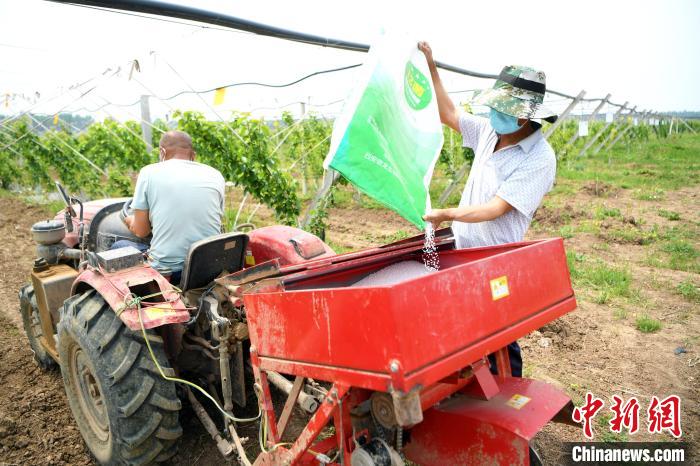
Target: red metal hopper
[(421, 340)]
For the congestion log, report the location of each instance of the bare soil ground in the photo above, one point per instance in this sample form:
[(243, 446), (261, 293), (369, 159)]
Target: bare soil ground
[(597, 348)]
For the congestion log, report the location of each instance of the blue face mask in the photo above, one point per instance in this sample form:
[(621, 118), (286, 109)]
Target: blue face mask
[(502, 123)]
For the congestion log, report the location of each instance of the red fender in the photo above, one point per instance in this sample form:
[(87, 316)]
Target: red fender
[(114, 288), (288, 244), (464, 430)]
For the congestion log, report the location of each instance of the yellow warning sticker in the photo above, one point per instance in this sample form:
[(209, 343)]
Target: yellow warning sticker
[(249, 259), (499, 288), (518, 401)]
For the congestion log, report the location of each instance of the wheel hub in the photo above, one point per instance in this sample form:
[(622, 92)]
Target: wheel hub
[(88, 390)]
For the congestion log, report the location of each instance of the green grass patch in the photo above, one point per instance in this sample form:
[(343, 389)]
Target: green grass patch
[(629, 234), (647, 172), (646, 324), (389, 238), (229, 217), (650, 167), (603, 212), (588, 226), (680, 247), (563, 188), (601, 246), (676, 249), (605, 434), (338, 248), (398, 236), (689, 291), (609, 282), (669, 215), (342, 197), (653, 194), (567, 231), (603, 297), (682, 255), (51, 206)]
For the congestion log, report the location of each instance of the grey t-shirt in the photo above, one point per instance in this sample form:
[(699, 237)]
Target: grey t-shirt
[(520, 175), (185, 203)]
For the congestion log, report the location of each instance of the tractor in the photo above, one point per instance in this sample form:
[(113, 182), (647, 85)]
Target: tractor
[(378, 374)]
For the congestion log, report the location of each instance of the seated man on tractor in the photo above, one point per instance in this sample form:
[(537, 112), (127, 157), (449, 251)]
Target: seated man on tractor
[(179, 200), (514, 165)]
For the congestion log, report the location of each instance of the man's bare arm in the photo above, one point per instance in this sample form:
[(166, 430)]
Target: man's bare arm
[(449, 115), (470, 214), (139, 223)]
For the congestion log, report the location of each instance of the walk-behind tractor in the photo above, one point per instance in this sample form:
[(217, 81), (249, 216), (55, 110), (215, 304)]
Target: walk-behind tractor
[(371, 374)]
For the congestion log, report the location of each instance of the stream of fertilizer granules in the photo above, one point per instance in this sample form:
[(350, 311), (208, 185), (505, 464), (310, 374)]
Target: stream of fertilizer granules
[(394, 273), (430, 254)]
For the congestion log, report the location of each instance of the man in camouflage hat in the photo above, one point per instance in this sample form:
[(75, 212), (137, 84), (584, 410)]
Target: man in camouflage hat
[(513, 168)]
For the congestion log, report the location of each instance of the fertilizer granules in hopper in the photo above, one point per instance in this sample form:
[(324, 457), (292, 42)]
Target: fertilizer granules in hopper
[(394, 273), (430, 254)]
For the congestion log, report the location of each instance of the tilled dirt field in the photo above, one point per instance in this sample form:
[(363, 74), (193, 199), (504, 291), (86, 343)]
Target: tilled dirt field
[(597, 348)]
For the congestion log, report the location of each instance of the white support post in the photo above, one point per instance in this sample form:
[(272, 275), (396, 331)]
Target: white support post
[(453, 184), (622, 133), (564, 114), (146, 123), (330, 177), (609, 136), (591, 117), (602, 130), (688, 126)]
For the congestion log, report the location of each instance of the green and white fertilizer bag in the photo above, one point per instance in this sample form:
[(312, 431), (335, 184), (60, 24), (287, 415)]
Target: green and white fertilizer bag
[(388, 137)]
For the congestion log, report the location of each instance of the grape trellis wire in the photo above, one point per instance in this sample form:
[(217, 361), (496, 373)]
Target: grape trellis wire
[(267, 172)]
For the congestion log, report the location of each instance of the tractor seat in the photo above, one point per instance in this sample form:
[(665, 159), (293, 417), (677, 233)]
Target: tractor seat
[(208, 258)]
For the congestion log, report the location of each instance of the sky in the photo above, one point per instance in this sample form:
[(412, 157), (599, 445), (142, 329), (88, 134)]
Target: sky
[(644, 52)]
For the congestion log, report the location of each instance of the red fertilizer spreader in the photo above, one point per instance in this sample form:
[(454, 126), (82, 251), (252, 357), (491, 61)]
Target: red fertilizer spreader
[(406, 364)]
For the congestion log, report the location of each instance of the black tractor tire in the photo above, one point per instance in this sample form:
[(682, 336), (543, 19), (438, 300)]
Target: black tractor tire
[(126, 412), (31, 322)]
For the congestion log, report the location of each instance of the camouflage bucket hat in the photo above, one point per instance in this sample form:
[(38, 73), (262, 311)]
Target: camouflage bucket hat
[(519, 92)]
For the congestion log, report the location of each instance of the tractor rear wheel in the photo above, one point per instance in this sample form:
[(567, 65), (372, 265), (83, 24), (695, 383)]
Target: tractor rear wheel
[(31, 322), (126, 412)]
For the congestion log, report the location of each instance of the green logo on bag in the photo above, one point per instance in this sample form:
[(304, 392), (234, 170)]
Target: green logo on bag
[(416, 87)]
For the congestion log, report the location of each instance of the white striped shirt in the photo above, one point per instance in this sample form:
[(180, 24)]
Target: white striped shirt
[(520, 175)]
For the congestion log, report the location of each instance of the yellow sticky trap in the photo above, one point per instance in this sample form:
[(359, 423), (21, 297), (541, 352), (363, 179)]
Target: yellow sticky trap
[(219, 95), (55, 119), (499, 288), (518, 401)]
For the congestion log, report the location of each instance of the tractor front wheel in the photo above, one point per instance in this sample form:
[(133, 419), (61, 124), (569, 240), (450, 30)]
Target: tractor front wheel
[(126, 412), (31, 322)]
